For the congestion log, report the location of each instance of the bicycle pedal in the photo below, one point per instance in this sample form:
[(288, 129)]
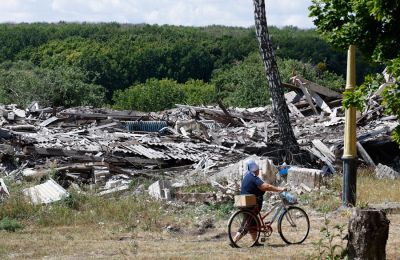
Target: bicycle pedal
[(262, 240)]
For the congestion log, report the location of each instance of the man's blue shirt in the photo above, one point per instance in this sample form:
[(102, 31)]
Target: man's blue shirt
[(250, 185)]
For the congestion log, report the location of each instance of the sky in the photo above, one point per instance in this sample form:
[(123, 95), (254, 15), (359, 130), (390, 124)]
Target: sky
[(175, 12)]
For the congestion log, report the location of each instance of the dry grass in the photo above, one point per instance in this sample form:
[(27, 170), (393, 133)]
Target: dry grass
[(110, 242), (83, 227), (372, 190)]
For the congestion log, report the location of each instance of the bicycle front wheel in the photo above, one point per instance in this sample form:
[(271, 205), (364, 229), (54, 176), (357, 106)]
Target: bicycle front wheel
[(293, 225), (243, 229)]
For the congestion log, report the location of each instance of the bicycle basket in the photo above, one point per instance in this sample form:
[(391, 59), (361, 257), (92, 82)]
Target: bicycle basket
[(288, 198)]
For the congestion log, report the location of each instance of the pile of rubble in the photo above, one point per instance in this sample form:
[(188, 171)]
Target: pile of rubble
[(107, 149)]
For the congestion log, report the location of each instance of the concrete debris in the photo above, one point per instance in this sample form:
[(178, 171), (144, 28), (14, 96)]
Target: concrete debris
[(139, 191), (388, 207), (160, 190), (123, 187), (3, 190), (234, 173), (382, 171), (107, 149), (46, 193), (305, 187), (31, 174), (308, 177), (116, 182)]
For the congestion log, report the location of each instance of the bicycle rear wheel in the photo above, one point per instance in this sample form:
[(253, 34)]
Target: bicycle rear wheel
[(293, 225), (243, 229)]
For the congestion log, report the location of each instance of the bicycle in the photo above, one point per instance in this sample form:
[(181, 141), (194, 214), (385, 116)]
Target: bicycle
[(245, 225)]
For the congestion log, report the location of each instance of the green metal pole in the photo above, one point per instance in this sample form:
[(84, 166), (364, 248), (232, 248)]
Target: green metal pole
[(350, 138)]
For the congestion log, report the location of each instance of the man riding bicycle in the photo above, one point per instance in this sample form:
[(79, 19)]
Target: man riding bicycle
[(252, 184)]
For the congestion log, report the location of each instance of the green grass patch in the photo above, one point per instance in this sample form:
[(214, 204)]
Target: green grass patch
[(198, 188), (17, 207), (223, 210), (10, 225)]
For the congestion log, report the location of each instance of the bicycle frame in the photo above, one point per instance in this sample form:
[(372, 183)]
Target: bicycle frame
[(267, 226)]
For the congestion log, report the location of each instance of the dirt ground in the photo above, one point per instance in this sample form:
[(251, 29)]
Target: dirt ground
[(107, 241)]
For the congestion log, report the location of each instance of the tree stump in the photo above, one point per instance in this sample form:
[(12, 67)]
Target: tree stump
[(368, 233)]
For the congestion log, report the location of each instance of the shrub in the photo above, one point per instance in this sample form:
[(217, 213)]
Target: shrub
[(17, 207), (10, 225), (22, 83), (156, 95)]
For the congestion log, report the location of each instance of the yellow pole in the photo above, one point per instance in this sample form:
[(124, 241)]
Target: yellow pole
[(350, 148), (350, 138)]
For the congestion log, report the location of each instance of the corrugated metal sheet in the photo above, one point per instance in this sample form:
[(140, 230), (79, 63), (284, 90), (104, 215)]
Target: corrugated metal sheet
[(145, 126), (210, 124), (47, 192), (147, 152)]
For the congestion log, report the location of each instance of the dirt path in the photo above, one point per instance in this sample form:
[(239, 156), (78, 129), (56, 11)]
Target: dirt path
[(106, 242)]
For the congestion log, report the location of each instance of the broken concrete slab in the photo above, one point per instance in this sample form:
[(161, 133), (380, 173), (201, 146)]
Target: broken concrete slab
[(3, 190), (113, 183), (388, 207), (305, 187), (235, 172), (309, 177), (324, 150), (46, 193), (7, 149), (383, 171), (31, 173), (160, 190), (19, 112), (115, 189), (11, 116), (49, 121)]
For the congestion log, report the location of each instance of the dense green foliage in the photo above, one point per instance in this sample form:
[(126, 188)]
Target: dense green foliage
[(245, 84), (22, 83), (373, 26), (156, 95), (118, 56)]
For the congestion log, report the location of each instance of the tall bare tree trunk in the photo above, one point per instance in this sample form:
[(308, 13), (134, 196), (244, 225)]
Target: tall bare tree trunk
[(279, 106)]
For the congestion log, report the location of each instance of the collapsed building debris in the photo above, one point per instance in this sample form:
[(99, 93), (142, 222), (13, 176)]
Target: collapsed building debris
[(383, 171), (106, 149)]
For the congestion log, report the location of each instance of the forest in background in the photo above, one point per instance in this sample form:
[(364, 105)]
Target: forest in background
[(151, 67)]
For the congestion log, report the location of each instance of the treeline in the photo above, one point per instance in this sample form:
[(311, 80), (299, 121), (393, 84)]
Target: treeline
[(93, 64)]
